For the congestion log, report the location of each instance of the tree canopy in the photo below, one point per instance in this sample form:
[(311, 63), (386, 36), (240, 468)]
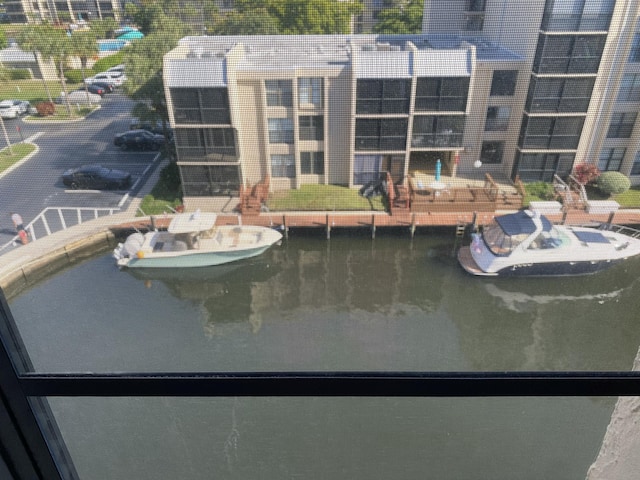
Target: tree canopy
[(403, 17), (288, 17), (143, 64)]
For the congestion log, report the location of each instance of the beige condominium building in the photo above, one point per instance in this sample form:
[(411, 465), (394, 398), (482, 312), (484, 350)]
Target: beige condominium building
[(29, 11), (529, 97)]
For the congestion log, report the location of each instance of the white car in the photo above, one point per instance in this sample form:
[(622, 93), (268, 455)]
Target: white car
[(13, 108), (114, 78), (80, 97), (117, 68)]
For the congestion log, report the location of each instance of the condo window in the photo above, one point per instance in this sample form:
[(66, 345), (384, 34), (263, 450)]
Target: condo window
[(629, 88), (201, 106), (634, 55), (610, 159), (621, 125), (381, 134), (310, 92), (442, 94), (383, 96), (210, 180), (497, 119), (503, 82), (280, 130), (312, 163), (533, 167), (205, 144), (283, 166), (560, 133), (279, 93), (491, 152), (437, 131), (577, 15), (559, 95), (311, 127), (635, 168), (569, 53)]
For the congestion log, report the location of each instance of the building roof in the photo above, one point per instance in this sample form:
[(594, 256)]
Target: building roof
[(15, 54), (205, 59)]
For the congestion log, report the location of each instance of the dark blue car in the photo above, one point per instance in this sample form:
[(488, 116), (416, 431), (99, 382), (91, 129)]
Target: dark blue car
[(139, 140)]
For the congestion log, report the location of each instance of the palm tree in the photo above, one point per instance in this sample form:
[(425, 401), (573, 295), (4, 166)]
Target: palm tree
[(83, 45), (32, 39), (59, 49)]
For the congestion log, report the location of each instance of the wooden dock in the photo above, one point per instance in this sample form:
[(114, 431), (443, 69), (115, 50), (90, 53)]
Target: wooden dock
[(412, 221)]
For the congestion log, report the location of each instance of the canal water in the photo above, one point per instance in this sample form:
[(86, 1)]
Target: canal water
[(348, 304)]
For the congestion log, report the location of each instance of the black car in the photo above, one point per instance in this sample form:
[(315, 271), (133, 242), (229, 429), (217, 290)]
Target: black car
[(96, 177), (153, 127), (138, 139), (107, 87), (93, 88)]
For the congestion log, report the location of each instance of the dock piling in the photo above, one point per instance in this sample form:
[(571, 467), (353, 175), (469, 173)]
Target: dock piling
[(412, 229)]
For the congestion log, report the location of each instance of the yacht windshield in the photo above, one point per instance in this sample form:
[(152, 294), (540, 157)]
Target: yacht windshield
[(498, 241), (547, 240)]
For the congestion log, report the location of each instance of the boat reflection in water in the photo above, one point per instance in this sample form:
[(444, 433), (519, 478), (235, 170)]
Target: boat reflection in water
[(222, 292), (520, 296)]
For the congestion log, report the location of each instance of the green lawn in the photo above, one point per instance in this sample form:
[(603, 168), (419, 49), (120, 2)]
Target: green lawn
[(540, 191), (34, 92), (322, 198), (19, 150), (630, 198)]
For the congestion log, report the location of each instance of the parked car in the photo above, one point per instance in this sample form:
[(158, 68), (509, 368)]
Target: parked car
[(108, 87), (13, 108), (138, 139), (80, 97), (137, 124), (115, 78), (93, 88), (96, 177), (117, 68)]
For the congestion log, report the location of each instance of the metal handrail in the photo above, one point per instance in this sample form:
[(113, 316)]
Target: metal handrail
[(41, 217)]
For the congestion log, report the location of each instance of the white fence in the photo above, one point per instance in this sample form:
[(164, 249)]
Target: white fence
[(54, 219)]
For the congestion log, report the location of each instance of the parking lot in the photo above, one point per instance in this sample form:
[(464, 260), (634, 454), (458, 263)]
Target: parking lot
[(35, 189)]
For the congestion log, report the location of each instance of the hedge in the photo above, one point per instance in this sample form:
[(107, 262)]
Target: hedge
[(19, 74)]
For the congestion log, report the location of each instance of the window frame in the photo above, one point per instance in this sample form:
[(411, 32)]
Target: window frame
[(622, 124), (280, 131), (496, 122), (312, 163), (610, 159), (279, 93), (503, 83), (311, 127)]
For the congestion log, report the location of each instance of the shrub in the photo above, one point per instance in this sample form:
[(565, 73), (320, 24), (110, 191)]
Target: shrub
[(108, 62), (170, 177), (541, 190), (75, 76), (19, 74), (45, 108), (586, 173), (613, 183)]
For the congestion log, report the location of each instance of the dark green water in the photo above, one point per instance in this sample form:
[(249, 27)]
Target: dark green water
[(347, 304)]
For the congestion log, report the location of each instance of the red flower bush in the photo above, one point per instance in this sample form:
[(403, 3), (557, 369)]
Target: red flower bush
[(586, 173)]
